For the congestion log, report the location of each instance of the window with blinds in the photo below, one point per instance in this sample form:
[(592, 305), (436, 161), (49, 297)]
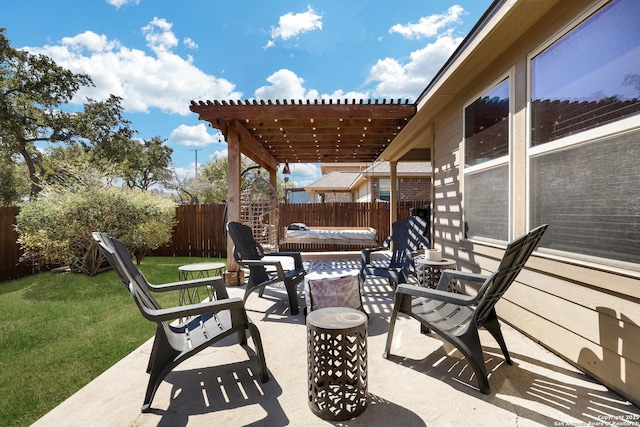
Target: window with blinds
[(486, 165), (590, 76)]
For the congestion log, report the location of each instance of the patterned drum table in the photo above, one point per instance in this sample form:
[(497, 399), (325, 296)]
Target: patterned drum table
[(429, 272), (337, 362), (197, 271)]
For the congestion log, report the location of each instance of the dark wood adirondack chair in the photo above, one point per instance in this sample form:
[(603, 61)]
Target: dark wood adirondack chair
[(407, 237), (176, 341), (456, 317), (250, 254)]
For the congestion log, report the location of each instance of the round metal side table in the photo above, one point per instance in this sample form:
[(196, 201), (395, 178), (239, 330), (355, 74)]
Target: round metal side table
[(198, 271), (337, 362), (429, 272)]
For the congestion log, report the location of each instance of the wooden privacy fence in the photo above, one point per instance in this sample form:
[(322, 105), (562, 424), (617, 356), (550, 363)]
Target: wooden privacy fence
[(10, 252), (199, 231)]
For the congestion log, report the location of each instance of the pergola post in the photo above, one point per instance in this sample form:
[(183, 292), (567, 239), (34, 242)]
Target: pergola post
[(393, 197), (274, 216), (233, 199)]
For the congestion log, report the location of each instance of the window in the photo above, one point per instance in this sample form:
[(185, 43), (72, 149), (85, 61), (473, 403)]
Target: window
[(486, 173), (486, 126), (585, 96), (590, 76), (384, 189)]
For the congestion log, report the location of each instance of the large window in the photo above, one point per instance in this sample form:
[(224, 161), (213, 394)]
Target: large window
[(589, 77), (486, 158), (585, 98), (486, 126)]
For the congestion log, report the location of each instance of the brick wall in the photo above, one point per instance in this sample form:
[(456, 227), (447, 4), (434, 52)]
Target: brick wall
[(408, 189)]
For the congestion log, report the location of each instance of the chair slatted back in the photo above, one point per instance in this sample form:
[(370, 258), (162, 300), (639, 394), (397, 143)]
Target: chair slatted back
[(407, 236), (515, 257), (120, 259), (245, 247)]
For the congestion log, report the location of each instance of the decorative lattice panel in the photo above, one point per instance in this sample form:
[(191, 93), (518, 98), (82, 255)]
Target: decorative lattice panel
[(259, 208)]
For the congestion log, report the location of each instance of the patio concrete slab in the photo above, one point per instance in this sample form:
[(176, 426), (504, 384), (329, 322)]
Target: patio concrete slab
[(425, 383)]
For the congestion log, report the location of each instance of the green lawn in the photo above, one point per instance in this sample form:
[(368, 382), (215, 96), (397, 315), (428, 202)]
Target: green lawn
[(58, 331)]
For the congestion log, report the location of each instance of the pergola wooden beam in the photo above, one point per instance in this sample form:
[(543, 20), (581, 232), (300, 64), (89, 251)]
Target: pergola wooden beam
[(310, 131)]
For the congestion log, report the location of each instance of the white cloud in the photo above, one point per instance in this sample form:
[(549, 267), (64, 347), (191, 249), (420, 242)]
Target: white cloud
[(407, 80), (351, 95), (195, 136), (303, 173), (159, 36), (285, 84), (219, 154), (188, 42), (429, 26), (292, 25), (142, 80), (183, 173), (119, 3), (397, 80)]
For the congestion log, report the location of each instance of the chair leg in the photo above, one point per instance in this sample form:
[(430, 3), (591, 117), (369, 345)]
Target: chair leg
[(469, 345), (257, 341), (292, 293), (392, 324), (163, 362), (492, 325), (242, 336)]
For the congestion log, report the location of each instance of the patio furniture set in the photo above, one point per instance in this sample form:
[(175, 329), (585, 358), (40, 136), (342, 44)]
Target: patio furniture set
[(335, 317)]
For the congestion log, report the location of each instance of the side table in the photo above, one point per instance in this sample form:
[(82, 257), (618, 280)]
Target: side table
[(198, 271), (337, 362), (429, 272)]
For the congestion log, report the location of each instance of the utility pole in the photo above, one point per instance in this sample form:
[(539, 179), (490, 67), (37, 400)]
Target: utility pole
[(196, 150)]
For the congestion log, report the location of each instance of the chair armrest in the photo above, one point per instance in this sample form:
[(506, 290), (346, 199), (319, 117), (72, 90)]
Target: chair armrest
[(365, 254), (185, 284), (444, 296), (297, 258), (256, 262), (447, 275), (212, 307)]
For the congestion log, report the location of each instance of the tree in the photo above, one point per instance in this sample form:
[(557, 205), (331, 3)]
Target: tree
[(147, 163), (14, 185), (189, 189), (33, 88), (55, 229), (34, 93), (215, 172)]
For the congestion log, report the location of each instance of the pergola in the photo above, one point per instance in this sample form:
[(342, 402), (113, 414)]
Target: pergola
[(274, 133)]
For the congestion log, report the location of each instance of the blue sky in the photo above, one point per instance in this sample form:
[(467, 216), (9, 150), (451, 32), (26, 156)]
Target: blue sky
[(158, 55)]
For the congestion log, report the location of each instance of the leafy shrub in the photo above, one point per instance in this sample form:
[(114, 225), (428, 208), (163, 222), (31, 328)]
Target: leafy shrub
[(56, 228)]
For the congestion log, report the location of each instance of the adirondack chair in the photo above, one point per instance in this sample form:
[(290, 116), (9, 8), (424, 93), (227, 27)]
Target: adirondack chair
[(175, 341), (407, 237), (456, 317), (263, 272)]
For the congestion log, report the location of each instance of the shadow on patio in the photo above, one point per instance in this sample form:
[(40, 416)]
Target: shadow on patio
[(425, 383)]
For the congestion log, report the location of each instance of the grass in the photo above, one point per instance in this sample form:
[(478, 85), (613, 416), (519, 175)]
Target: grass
[(58, 331)]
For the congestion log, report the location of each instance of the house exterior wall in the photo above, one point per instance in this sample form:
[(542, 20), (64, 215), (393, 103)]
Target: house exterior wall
[(408, 188), (586, 312)]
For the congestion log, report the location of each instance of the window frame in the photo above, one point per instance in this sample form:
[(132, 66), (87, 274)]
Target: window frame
[(507, 159), (583, 137)]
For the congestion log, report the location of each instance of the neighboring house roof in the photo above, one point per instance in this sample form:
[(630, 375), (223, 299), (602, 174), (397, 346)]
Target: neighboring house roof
[(326, 168), (336, 181), (417, 169), (349, 180)]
